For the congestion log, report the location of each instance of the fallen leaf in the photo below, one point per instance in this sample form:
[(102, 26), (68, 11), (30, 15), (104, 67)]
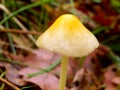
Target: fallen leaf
[(108, 77), (93, 62), (41, 58), (12, 74), (46, 81), (12, 56), (116, 80), (82, 80)]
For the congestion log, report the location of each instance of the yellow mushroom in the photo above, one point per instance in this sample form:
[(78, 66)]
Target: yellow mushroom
[(68, 37)]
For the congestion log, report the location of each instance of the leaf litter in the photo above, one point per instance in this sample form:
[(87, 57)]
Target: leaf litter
[(98, 71), (78, 79)]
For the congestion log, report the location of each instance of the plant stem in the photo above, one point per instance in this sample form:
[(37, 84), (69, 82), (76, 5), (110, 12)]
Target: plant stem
[(63, 73)]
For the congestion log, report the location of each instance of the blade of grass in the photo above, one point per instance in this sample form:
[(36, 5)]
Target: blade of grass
[(2, 86), (12, 61), (45, 20), (112, 38), (11, 43), (10, 40), (114, 47), (25, 8), (100, 29), (3, 73), (20, 10), (73, 7), (8, 34), (28, 87), (97, 1), (115, 59), (52, 66), (24, 64), (41, 17)]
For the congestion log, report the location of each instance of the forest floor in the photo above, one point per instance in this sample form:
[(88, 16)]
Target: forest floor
[(24, 66)]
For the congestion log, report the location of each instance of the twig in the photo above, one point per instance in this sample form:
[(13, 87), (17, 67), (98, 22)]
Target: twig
[(17, 46), (9, 83), (20, 31), (2, 43)]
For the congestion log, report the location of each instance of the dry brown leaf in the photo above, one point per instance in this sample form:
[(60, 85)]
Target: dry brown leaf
[(43, 59), (12, 56), (93, 61), (12, 74), (36, 60), (82, 80), (46, 81), (39, 58), (109, 75), (116, 80)]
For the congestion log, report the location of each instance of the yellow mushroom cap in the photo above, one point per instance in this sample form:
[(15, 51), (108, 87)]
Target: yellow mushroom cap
[(69, 37)]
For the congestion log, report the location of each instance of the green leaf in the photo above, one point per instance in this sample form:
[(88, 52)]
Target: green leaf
[(97, 1)]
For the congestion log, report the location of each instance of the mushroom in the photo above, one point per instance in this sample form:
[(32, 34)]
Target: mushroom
[(68, 37)]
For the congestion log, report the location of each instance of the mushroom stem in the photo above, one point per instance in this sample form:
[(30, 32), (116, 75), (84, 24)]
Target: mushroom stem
[(63, 73)]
